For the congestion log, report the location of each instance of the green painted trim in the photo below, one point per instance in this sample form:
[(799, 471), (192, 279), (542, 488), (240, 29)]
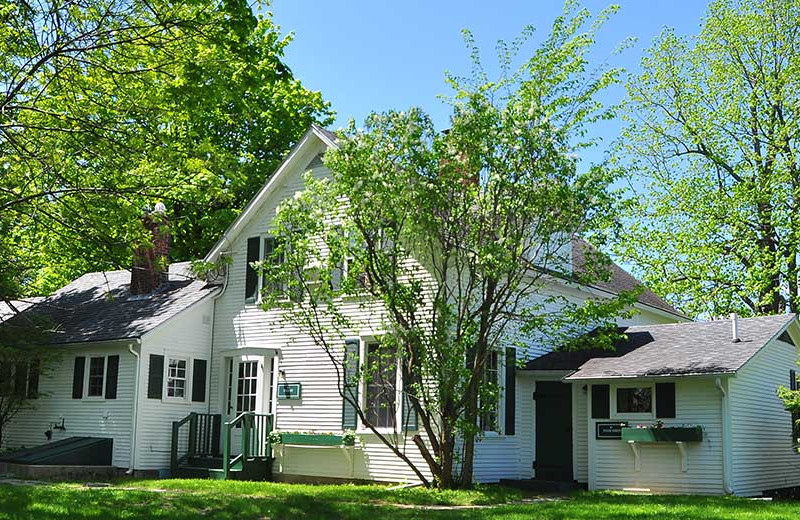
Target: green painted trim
[(665, 434), (312, 439)]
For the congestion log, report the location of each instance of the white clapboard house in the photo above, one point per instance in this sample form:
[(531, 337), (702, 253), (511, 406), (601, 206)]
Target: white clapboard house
[(160, 372)]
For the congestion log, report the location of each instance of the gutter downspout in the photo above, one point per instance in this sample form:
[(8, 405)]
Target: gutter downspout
[(135, 417), (213, 321), (726, 438)]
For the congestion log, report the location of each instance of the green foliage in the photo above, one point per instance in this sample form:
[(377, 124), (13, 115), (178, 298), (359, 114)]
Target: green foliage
[(712, 136), (107, 106), (452, 240)]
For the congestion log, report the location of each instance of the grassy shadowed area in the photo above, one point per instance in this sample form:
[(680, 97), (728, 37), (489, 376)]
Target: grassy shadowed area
[(183, 499)]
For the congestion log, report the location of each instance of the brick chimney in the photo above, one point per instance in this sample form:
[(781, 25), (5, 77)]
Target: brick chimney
[(151, 261)]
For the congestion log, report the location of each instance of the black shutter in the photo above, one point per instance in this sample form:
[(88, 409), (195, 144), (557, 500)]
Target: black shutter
[(112, 375), (511, 390), (665, 400), (251, 276), (20, 379), (199, 380), (601, 404), (792, 380), (155, 379), (77, 377), (350, 384), (33, 379)]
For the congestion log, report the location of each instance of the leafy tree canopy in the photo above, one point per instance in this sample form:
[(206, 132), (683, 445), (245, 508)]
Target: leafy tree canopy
[(110, 105), (712, 144), (452, 241)]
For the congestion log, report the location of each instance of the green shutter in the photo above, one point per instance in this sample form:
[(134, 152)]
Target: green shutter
[(199, 380), (251, 276), (601, 401), (155, 378), (33, 379), (665, 400), (408, 413), (111, 377), (77, 377), (350, 384), (511, 390)]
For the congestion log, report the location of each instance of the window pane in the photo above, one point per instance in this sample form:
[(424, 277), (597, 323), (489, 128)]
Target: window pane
[(381, 388), (246, 387), (97, 366), (488, 417), (634, 400), (176, 378)]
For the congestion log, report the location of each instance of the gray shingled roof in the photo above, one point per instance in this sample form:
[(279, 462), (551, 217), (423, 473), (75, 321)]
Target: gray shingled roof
[(98, 307), (6, 310), (679, 349), (619, 279)]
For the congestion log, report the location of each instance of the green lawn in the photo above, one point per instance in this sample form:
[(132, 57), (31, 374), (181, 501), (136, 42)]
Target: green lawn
[(182, 499)]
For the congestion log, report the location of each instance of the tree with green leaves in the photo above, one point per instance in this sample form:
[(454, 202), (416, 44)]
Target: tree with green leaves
[(110, 105), (447, 245), (711, 153)]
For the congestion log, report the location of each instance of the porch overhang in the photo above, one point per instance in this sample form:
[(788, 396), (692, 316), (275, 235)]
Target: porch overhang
[(250, 351)]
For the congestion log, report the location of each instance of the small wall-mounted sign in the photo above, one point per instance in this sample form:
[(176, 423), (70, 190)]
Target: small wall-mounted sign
[(609, 430), (289, 390)]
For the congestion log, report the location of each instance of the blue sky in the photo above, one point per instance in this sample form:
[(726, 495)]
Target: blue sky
[(377, 55)]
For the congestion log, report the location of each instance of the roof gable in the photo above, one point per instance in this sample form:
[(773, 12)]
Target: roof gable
[(292, 160)]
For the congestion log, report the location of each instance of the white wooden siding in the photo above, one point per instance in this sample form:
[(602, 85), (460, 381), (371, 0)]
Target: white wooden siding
[(580, 433), (611, 462), (763, 457), (238, 325), (188, 336), (107, 418)]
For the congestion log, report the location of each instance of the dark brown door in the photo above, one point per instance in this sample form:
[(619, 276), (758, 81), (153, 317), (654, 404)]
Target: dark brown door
[(553, 431)]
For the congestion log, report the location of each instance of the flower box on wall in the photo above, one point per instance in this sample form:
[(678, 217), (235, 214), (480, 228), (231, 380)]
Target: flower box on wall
[(663, 434)]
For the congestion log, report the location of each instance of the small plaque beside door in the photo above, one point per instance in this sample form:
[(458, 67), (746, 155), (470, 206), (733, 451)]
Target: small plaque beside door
[(609, 430), (290, 391)]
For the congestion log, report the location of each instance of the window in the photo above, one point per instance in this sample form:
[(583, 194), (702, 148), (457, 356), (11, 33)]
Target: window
[(488, 419), (635, 400), (272, 258), (176, 378), (97, 369), (381, 386), (247, 385), (20, 379)]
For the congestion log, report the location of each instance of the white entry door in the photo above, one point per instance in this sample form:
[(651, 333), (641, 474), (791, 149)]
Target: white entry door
[(246, 385)]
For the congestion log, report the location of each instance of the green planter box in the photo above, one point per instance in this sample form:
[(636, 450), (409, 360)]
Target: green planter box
[(665, 434), (311, 439)]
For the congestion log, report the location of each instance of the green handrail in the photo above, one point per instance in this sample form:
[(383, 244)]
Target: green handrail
[(255, 432)]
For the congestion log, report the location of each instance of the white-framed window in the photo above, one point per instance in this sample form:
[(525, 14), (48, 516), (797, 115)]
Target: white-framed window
[(634, 401), (381, 388), (489, 419), (96, 377), (177, 378), (247, 386)]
